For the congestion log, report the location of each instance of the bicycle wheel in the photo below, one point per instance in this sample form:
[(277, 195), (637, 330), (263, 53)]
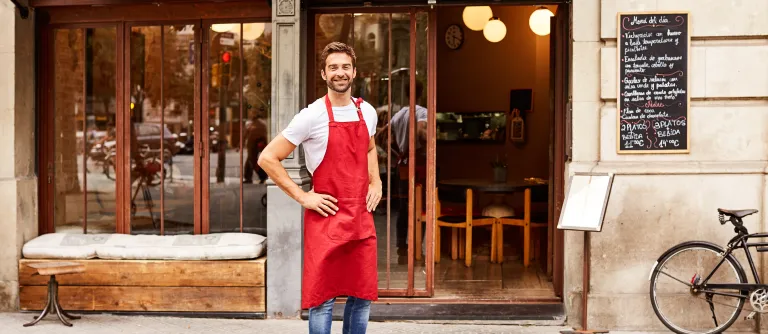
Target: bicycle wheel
[(684, 310)]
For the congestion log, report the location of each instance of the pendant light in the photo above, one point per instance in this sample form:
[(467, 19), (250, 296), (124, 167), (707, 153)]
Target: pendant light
[(475, 17), (222, 27), (253, 31), (539, 21), (494, 30)]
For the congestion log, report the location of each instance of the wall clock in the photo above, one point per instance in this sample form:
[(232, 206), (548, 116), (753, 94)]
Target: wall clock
[(454, 36)]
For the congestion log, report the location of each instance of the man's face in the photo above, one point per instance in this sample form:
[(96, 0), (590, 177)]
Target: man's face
[(339, 72)]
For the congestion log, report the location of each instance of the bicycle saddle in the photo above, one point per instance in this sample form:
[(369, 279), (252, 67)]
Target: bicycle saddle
[(737, 213)]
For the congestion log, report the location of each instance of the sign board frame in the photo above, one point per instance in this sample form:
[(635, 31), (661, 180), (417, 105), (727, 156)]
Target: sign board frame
[(619, 76), (564, 211)]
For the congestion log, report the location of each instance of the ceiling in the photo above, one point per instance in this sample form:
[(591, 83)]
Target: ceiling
[(389, 3)]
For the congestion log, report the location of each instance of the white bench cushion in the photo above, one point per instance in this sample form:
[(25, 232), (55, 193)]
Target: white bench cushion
[(217, 246), (64, 246)]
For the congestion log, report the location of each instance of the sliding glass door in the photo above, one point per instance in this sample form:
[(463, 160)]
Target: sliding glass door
[(393, 75)]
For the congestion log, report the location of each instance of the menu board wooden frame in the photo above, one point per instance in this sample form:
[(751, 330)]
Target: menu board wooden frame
[(619, 76)]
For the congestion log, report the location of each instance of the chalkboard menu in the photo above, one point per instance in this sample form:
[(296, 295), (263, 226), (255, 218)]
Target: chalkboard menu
[(653, 84)]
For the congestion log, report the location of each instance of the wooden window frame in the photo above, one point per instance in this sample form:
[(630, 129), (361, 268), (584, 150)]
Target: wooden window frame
[(122, 14)]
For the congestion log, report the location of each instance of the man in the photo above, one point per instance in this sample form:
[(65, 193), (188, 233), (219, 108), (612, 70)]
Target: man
[(339, 235), (255, 140), (401, 132)]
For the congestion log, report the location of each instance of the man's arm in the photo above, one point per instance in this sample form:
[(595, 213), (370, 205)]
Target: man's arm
[(374, 188), (270, 160)]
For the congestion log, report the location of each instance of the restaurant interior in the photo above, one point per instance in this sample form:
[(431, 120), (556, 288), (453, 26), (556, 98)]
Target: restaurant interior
[(494, 128), (493, 139)]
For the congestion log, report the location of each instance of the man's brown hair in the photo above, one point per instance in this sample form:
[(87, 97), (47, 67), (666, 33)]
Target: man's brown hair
[(337, 47)]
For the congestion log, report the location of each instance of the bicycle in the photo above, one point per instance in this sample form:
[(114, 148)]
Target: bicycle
[(720, 282)]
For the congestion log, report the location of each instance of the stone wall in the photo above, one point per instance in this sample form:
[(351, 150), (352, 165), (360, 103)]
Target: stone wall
[(659, 200), (18, 183)]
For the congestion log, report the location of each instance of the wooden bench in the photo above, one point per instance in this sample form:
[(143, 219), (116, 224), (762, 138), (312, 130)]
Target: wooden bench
[(227, 286)]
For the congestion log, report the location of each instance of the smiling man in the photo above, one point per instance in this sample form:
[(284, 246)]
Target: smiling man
[(339, 235)]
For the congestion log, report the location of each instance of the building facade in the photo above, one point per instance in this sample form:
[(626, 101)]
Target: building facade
[(657, 200)]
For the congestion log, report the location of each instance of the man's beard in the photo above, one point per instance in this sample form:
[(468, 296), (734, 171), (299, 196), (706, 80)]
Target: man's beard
[(343, 89)]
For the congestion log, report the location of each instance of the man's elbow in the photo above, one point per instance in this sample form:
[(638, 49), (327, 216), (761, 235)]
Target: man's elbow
[(264, 160)]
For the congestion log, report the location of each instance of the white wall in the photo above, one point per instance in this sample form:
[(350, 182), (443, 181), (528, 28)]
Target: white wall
[(659, 200)]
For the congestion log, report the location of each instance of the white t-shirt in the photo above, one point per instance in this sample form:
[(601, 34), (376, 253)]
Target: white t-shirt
[(400, 126), (310, 127)]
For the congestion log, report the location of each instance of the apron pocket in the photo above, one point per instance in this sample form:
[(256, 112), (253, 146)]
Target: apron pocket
[(351, 222)]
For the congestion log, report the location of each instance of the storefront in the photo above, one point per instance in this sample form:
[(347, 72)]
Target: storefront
[(91, 85)]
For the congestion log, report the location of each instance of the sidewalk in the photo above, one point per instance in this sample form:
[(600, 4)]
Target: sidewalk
[(11, 323)]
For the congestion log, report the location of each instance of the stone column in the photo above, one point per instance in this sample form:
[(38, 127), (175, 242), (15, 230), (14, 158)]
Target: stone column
[(18, 183), (285, 216)]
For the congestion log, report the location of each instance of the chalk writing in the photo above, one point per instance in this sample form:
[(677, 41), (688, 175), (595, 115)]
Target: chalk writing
[(653, 83)]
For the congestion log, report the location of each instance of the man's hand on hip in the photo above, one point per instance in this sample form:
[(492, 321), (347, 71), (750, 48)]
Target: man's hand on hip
[(373, 197), (322, 204)]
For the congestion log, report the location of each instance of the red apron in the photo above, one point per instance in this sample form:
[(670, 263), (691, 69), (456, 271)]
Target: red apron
[(340, 250)]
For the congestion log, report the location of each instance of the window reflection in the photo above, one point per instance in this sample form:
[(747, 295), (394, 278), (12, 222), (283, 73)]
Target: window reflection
[(84, 130), (239, 113)]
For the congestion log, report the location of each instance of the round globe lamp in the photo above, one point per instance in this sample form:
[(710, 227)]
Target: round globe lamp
[(222, 27), (475, 17), (495, 30), (539, 21), (252, 31)]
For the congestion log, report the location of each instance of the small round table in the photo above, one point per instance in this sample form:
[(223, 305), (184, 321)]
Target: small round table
[(52, 305), (489, 186), (497, 208)]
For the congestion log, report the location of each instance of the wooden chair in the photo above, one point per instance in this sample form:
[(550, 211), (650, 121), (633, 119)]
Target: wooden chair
[(461, 244), (527, 221)]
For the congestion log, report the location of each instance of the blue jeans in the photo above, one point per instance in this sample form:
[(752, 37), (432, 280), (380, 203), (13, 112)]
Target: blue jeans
[(356, 314)]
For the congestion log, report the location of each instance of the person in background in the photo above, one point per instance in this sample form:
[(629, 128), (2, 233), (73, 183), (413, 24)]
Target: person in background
[(401, 135)]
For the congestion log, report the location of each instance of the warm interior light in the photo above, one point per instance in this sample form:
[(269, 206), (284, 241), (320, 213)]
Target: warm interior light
[(252, 31), (475, 17), (222, 27), (495, 30), (539, 21)]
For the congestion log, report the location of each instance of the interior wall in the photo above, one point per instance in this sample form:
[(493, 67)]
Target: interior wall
[(478, 77)]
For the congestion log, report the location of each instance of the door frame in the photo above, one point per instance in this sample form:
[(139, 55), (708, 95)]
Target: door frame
[(560, 127)]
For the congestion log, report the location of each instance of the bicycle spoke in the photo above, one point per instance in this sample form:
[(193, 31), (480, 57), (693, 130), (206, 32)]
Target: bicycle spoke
[(696, 317), (674, 278)]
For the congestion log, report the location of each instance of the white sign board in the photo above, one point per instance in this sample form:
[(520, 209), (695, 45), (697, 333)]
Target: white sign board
[(227, 41), (585, 203)]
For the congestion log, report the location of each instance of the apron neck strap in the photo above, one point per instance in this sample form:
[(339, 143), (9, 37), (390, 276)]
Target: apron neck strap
[(329, 107)]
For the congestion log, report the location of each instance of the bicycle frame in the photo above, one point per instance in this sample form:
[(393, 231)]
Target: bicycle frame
[(739, 241)]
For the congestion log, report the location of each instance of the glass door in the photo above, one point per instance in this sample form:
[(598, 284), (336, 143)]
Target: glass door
[(235, 125), (163, 116), (393, 75), (80, 123)]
